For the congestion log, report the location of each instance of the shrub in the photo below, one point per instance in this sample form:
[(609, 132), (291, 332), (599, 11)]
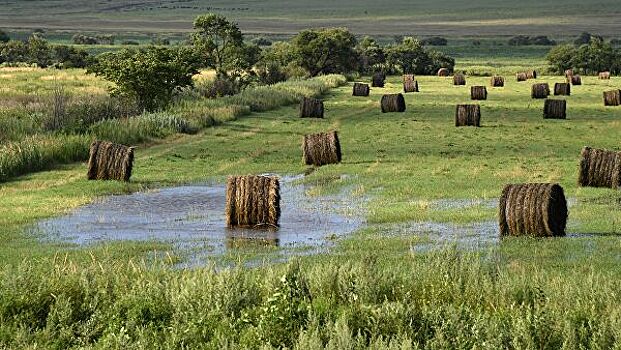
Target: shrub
[(4, 37), (81, 39), (435, 41), (270, 73), (326, 51), (160, 41), (261, 41), (523, 40)]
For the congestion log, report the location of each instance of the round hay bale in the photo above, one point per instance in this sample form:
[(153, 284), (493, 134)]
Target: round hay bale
[(497, 81), (311, 108), (541, 90), (521, 77), (574, 80), (555, 109), (393, 103), (110, 161), (468, 115), (612, 98), (562, 89), (478, 93), (532, 209), (569, 73), (252, 201), (361, 89), (600, 168), (604, 75), (408, 77), (459, 79), (531, 74), (321, 149), (379, 80), (444, 72), (410, 86)]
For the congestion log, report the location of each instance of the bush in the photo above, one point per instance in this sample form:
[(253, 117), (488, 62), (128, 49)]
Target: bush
[(435, 41), (523, 40), (159, 41), (4, 37), (271, 73), (261, 41), (130, 43), (81, 39), (410, 57), (325, 51)]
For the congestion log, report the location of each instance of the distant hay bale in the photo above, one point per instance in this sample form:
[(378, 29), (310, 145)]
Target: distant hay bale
[(478, 93), (562, 89), (393, 103), (531, 74), (612, 98), (321, 149), (569, 73), (604, 75), (468, 115), (497, 81), (410, 84), (443, 72), (555, 109), (361, 89), (311, 108), (537, 209), (379, 80), (252, 201), (541, 90), (574, 80), (110, 161), (521, 77), (459, 79), (600, 168)]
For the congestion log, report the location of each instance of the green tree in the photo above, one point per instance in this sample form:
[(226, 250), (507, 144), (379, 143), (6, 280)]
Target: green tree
[(151, 75), (220, 43), (595, 57), (13, 52), (561, 57), (325, 51), (39, 51), (371, 55), (410, 57)]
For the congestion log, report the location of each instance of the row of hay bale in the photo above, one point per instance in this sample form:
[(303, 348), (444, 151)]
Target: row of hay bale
[(410, 84)]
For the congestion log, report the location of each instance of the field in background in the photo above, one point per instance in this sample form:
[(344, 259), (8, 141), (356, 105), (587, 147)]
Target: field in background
[(455, 18)]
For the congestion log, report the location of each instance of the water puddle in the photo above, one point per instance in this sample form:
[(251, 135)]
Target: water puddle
[(191, 218)]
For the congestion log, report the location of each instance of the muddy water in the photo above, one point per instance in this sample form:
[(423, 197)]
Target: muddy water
[(192, 219)]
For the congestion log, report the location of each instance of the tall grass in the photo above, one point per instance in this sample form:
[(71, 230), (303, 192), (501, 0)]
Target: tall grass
[(447, 299)]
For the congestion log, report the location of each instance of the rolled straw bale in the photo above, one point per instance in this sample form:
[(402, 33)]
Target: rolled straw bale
[(537, 209), (459, 79), (393, 103), (541, 90), (468, 115), (408, 77), (569, 73), (311, 108), (562, 89), (612, 98), (361, 89), (600, 168), (574, 80), (555, 109), (604, 75), (497, 81), (252, 201), (443, 72), (379, 80), (478, 93), (321, 149), (531, 74), (110, 161), (521, 77), (410, 84)]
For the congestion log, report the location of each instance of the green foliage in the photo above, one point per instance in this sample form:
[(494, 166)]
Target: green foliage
[(372, 56), (37, 51), (326, 51), (262, 41), (561, 58), (585, 38), (524, 40), (151, 75), (134, 130), (597, 56), (410, 57), (4, 37), (435, 41)]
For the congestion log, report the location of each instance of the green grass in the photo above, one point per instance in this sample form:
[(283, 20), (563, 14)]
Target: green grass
[(375, 288)]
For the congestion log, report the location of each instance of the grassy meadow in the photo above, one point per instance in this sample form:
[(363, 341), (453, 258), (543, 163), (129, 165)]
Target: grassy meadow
[(387, 286)]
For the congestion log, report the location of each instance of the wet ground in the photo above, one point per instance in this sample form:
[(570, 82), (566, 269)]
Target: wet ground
[(191, 218)]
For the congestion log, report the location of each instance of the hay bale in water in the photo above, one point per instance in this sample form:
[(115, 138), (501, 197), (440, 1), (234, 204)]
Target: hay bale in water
[(538, 209), (562, 89), (612, 98), (574, 80), (443, 72), (311, 108), (110, 161), (468, 115), (604, 75), (555, 109), (541, 90), (531, 74), (600, 168), (521, 77), (321, 149), (379, 80), (410, 84), (497, 81), (361, 89), (478, 93), (393, 103), (459, 79), (252, 201)]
